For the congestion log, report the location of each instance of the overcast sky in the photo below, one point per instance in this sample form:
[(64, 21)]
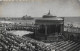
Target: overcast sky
[(37, 8)]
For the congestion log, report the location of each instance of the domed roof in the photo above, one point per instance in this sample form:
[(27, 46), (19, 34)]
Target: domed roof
[(48, 15)]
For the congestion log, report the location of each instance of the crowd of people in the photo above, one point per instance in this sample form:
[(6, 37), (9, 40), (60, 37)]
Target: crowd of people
[(10, 42)]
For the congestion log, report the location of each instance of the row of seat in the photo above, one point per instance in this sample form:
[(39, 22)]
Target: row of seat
[(64, 46)]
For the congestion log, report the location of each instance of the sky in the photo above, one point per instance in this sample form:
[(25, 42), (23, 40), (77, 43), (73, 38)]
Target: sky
[(38, 8)]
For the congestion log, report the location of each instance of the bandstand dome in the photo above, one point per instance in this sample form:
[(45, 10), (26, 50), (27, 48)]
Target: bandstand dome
[(49, 15), (49, 19)]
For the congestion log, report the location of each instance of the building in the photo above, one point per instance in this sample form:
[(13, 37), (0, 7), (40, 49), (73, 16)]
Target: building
[(49, 27)]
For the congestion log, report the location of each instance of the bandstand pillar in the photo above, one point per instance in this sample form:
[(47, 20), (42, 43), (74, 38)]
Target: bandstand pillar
[(45, 32)]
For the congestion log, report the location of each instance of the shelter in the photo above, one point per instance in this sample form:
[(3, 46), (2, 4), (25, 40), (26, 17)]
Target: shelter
[(49, 27)]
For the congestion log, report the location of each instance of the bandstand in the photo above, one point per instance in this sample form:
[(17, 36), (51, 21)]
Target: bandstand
[(49, 28)]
